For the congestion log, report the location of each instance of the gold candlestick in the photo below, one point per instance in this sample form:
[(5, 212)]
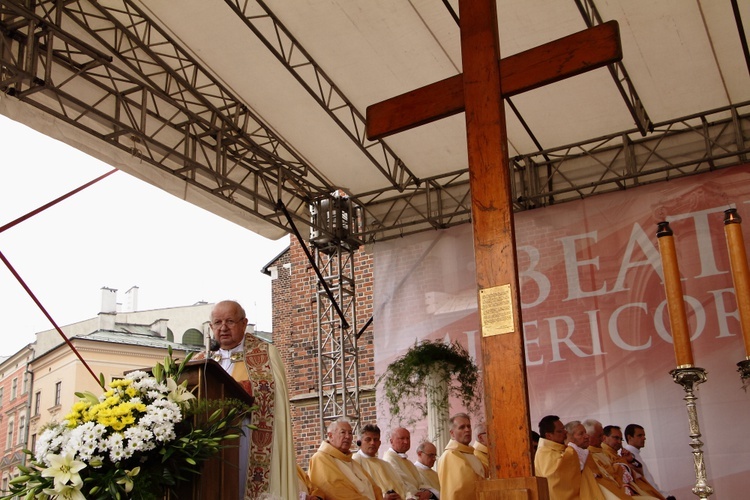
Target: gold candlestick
[(685, 374), (689, 378), (675, 302)]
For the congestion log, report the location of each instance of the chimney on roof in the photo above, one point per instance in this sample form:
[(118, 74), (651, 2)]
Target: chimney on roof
[(108, 310), (160, 327), (131, 299)]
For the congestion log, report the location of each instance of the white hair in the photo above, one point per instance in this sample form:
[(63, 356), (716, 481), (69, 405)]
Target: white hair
[(341, 420), (590, 425)]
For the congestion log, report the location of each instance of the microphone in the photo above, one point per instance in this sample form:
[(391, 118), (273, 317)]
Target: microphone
[(211, 345)]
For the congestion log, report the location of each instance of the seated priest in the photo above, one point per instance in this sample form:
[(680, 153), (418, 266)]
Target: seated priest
[(381, 471), (459, 470), (333, 471), (557, 462), (396, 456), (426, 457)]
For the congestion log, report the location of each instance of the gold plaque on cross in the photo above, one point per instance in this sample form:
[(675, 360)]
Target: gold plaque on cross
[(496, 310)]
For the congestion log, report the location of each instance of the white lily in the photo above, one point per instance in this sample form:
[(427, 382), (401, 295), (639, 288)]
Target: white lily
[(64, 468), (66, 492), (127, 480), (178, 393)]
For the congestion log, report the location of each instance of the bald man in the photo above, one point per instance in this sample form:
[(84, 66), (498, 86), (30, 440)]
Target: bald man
[(400, 441), (480, 448), (426, 457)]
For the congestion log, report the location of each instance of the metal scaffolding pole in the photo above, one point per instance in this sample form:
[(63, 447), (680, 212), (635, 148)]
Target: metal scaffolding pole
[(336, 301), (338, 359)]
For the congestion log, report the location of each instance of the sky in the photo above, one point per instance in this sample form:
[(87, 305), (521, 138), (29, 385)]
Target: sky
[(118, 233)]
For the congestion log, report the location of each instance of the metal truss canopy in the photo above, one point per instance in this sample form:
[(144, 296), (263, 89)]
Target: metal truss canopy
[(706, 141), (189, 99)]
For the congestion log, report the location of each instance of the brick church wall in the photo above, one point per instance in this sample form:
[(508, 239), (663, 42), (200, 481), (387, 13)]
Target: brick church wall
[(294, 333)]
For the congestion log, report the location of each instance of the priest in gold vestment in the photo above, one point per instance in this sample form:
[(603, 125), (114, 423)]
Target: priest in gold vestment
[(557, 462), (611, 445), (459, 470), (382, 473), (426, 457), (609, 476), (414, 485), (333, 471), (480, 448), (258, 367)]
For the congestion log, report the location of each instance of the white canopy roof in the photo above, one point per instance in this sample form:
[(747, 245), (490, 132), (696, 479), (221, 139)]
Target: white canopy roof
[(206, 72)]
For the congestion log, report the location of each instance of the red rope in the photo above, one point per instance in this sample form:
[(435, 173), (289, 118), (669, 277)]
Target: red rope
[(23, 283), (41, 307), (55, 201)]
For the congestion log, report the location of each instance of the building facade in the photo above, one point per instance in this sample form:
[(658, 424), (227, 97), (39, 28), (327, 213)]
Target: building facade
[(39, 382), (14, 412)]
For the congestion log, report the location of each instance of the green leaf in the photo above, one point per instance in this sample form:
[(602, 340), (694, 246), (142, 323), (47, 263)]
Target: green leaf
[(408, 382)]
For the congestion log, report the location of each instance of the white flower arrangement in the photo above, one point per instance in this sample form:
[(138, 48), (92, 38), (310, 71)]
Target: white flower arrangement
[(132, 441)]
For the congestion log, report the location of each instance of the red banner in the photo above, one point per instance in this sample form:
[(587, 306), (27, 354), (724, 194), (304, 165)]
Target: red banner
[(596, 325)]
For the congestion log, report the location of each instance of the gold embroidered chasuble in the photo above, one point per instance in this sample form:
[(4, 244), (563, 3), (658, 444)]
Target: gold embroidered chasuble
[(611, 475), (638, 483), (599, 465), (459, 471)]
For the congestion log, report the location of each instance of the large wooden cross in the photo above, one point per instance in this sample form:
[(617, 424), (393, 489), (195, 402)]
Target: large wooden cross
[(479, 91)]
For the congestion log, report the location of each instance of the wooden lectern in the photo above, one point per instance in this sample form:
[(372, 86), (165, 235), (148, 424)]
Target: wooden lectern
[(220, 476)]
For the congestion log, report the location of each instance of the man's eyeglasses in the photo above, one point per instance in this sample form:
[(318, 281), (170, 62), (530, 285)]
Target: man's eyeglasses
[(217, 323)]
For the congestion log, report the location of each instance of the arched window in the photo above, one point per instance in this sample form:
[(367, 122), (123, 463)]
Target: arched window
[(192, 336)]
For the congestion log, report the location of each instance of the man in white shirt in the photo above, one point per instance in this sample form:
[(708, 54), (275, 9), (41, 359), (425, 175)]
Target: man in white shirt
[(635, 437)]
